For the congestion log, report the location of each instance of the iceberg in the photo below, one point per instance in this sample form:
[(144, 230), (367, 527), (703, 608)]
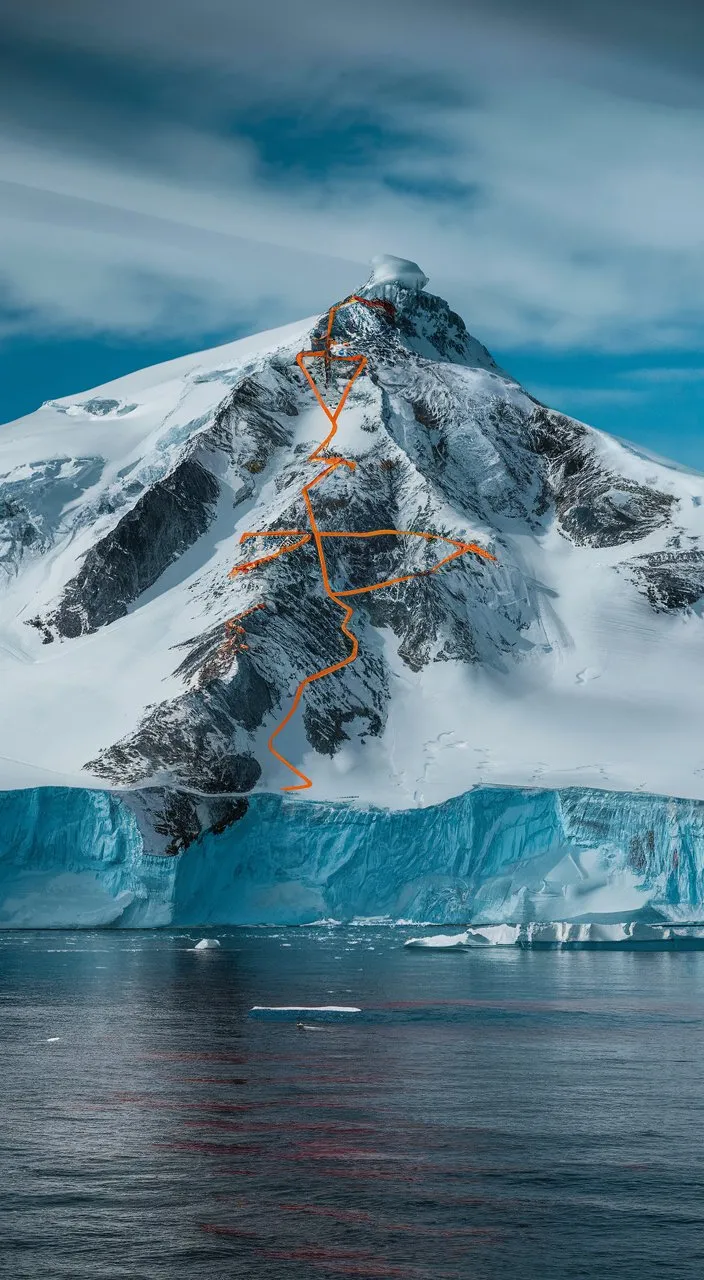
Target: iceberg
[(495, 856), (563, 933), (445, 942)]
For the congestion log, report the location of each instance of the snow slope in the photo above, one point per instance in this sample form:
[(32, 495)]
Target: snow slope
[(573, 661)]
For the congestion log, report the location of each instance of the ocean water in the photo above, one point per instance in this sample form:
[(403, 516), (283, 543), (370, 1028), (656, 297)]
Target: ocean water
[(489, 1115)]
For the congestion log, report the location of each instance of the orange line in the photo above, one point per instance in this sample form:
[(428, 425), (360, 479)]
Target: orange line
[(233, 630), (361, 362), (408, 533), (318, 536), (253, 609), (253, 564)]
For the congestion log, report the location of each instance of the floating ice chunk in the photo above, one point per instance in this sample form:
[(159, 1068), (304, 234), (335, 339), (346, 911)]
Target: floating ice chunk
[(441, 942), (206, 944), (304, 1008), (588, 933), (563, 933), (296, 1011), (494, 935)]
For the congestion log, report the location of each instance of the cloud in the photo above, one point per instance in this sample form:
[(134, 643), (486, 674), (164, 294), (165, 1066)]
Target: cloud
[(182, 166), (666, 375), (588, 397), (451, 34)]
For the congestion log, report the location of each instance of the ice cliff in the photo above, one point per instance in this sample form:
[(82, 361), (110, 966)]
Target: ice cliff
[(76, 857)]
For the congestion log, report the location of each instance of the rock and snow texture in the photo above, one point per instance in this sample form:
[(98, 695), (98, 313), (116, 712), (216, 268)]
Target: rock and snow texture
[(574, 660)]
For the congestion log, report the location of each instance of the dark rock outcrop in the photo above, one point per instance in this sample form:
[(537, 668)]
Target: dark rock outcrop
[(672, 580), (164, 522)]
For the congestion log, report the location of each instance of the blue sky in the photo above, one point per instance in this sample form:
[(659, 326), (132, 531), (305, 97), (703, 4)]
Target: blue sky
[(178, 172)]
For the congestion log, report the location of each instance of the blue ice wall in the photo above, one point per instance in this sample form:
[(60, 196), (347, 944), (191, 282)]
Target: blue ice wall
[(71, 858), (492, 854), (293, 861)]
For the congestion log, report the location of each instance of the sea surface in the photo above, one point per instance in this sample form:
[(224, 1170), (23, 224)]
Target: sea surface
[(488, 1115)]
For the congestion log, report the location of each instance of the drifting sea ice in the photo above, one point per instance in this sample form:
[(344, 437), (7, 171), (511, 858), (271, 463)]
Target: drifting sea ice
[(296, 1011), (564, 933)]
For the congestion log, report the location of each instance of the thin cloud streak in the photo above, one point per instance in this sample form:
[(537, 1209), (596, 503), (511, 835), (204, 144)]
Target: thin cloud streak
[(675, 374), (588, 397)]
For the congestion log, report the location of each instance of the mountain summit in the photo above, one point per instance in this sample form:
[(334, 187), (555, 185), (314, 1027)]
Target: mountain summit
[(134, 661)]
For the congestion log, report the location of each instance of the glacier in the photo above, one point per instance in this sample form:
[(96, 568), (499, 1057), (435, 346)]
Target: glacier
[(72, 857)]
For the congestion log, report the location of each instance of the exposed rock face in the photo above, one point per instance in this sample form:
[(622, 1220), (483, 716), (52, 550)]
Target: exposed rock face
[(166, 520), (195, 739), (672, 579), (171, 821), (169, 516), (595, 506)]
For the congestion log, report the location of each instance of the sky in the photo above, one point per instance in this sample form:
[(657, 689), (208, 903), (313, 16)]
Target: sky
[(177, 173)]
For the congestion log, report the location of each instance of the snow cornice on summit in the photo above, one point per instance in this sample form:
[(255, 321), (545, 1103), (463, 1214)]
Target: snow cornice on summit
[(389, 271)]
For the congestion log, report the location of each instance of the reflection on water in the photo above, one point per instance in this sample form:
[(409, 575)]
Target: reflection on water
[(488, 1115)]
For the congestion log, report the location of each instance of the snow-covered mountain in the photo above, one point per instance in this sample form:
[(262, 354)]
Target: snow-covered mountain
[(573, 659)]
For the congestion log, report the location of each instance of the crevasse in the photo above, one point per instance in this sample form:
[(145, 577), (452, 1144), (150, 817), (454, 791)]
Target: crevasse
[(72, 858)]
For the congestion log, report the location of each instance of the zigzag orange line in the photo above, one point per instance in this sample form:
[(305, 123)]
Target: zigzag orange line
[(318, 536)]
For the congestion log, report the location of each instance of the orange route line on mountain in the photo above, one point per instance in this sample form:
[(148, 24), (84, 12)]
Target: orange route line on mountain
[(233, 629), (318, 536)]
